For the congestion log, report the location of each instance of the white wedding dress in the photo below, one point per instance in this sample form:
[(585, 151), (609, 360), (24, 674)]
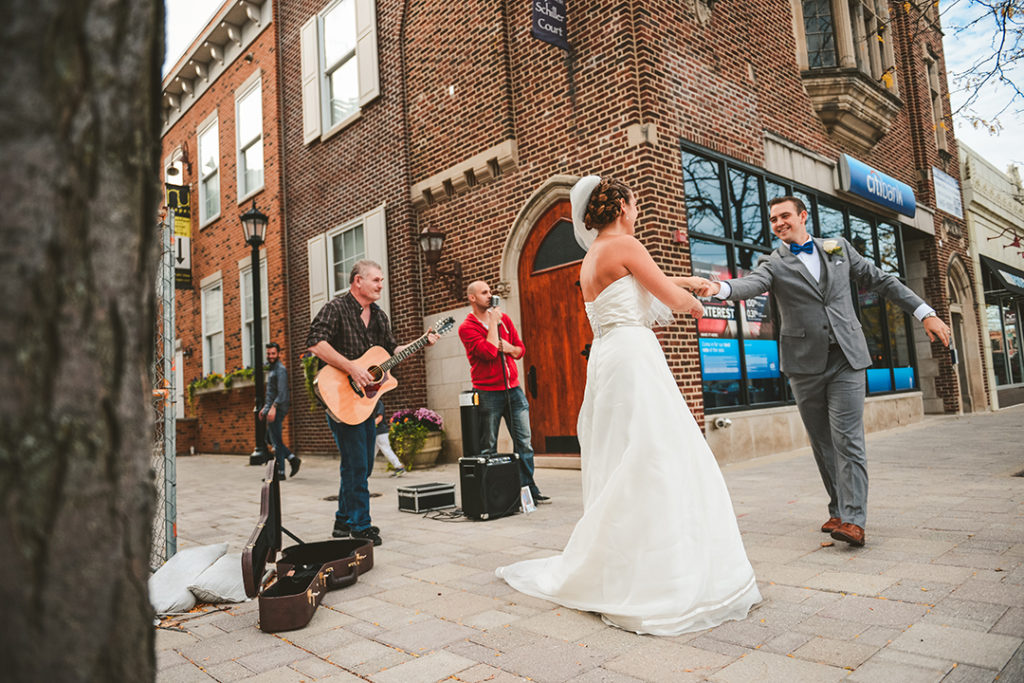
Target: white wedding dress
[(657, 550)]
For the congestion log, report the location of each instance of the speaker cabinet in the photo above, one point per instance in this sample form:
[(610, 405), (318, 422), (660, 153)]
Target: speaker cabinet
[(490, 485)]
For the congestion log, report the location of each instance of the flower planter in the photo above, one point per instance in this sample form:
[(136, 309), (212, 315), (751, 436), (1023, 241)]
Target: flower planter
[(239, 383), (427, 455)]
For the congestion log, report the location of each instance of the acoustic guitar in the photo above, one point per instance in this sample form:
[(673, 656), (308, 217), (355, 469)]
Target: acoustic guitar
[(342, 397)]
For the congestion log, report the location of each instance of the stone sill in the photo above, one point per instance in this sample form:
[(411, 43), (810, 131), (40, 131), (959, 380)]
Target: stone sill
[(855, 109)]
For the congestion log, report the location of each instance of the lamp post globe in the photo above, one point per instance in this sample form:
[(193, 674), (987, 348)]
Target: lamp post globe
[(254, 224)]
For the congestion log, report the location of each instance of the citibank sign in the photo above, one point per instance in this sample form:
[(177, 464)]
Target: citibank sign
[(858, 178)]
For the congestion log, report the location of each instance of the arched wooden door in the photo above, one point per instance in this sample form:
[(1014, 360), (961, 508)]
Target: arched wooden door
[(555, 331)]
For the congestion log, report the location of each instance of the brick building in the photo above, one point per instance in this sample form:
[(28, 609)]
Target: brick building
[(401, 118), (994, 208), (221, 139)]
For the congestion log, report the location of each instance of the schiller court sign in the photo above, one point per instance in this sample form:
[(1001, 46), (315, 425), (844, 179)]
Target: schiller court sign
[(549, 22)]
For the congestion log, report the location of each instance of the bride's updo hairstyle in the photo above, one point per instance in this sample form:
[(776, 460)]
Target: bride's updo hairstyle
[(603, 207)]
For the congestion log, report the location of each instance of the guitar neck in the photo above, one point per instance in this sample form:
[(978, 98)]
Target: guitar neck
[(412, 348)]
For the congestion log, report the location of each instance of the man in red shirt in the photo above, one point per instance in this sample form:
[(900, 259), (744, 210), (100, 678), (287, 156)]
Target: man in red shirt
[(491, 341)]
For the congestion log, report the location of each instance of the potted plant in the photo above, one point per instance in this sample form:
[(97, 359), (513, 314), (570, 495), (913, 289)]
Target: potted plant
[(416, 436)]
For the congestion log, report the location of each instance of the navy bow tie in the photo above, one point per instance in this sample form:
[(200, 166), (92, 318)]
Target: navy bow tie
[(807, 248)]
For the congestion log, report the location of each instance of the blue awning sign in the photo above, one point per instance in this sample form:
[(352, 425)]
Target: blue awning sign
[(858, 178)]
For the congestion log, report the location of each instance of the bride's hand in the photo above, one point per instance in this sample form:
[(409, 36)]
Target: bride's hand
[(696, 310)]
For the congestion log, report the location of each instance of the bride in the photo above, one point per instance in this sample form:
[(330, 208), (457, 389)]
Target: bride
[(657, 550)]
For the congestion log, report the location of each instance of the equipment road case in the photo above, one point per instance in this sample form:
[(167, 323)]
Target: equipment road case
[(426, 497), (304, 572)]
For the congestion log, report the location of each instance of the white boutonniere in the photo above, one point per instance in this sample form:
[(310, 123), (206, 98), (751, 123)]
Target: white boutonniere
[(832, 248)]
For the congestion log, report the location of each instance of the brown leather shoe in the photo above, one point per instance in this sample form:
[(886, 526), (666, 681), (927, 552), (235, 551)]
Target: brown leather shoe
[(851, 533), (831, 525)]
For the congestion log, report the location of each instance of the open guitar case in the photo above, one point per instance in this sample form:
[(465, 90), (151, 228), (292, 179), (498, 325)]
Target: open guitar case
[(305, 572)]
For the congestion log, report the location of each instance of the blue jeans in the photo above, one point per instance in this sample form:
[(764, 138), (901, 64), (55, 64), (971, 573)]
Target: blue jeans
[(356, 445), (492, 409), (274, 432)]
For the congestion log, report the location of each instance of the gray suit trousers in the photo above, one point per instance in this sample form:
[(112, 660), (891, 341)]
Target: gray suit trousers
[(831, 406)]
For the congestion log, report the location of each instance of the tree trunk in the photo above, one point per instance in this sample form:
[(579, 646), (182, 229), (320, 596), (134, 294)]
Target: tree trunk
[(79, 170)]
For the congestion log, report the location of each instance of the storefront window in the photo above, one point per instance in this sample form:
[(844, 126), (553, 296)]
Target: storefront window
[(997, 342), (871, 307), (703, 195), (899, 344), (860, 237), (889, 259), (719, 346), (760, 345), (1013, 354), (812, 224), (832, 222), (747, 208)]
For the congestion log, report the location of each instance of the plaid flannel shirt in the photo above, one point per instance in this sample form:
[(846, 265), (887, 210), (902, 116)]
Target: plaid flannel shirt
[(338, 323)]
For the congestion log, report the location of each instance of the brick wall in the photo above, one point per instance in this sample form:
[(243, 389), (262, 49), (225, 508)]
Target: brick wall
[(329, 182), (721, 86), (456, 81), (224, 419)]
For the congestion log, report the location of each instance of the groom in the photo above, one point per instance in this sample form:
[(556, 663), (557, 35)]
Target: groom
[(823, 350)]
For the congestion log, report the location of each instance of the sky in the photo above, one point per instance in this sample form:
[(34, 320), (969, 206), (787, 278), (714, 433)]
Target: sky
[(185, 18), (961, 49)]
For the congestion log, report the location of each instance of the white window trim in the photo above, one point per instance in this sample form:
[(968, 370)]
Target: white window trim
[(245, 279), (332, 289), (325, 81), (209, 282), (254, 82), (315, 107), (203, 127), (321, 280)]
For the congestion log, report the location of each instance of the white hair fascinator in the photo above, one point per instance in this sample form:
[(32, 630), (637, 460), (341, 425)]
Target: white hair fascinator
[(579, 197)]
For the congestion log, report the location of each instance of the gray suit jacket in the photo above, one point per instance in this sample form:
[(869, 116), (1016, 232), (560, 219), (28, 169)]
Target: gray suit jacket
[(806, 310)]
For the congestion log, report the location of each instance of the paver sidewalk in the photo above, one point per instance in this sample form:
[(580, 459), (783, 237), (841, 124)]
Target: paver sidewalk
[(937, 594)]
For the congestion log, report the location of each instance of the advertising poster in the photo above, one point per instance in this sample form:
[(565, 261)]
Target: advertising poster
[(720, 359)]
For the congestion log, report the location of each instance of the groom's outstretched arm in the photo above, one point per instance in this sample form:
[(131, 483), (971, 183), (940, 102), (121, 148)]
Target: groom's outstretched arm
[(868, 275), (755, 283)]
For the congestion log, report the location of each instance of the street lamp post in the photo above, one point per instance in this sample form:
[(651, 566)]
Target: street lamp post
[(254, 223)]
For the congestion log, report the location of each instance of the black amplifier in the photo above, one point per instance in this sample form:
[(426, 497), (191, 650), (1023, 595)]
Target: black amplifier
[(490, 485)]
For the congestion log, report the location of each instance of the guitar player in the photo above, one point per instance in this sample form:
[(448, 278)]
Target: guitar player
[(345, 328)]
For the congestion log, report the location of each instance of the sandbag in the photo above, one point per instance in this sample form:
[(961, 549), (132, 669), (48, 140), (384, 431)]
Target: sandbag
[(222, 582), (168, 586)]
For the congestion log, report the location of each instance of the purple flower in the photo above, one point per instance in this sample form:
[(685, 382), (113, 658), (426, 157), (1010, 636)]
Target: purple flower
[(426, 417)]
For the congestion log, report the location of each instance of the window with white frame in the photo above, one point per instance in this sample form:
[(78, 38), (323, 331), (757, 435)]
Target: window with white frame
[(340, 78), (346, 247), (249, 138), (333, 253), (209, 172), (213, 327), (339, 66), (245, 287)]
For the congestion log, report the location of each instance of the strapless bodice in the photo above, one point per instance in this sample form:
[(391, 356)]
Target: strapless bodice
[(626, 302)]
